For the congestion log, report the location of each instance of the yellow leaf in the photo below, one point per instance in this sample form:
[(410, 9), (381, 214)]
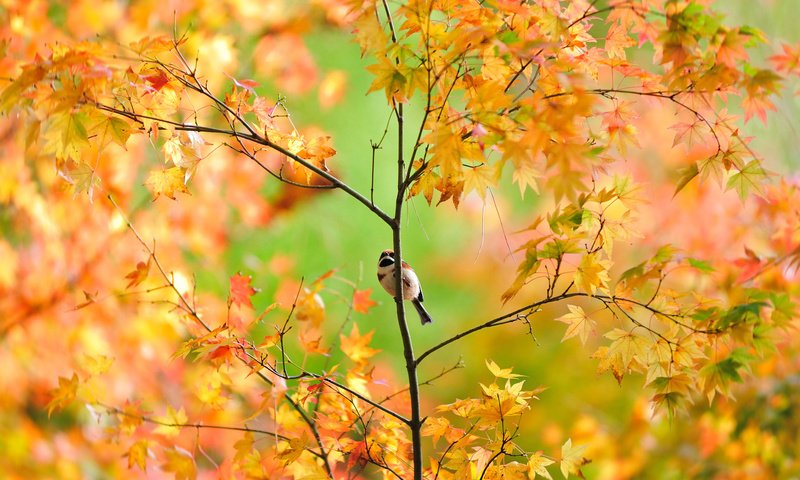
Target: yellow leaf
[(64, 394), (592, 274), (537, 466), (479, 179), (627, 345), (578, 324), (572, 458), (167, 182), (181, 463), (173, 152), (96, 365), (243, 447), (171, 423), (137, 455), (525, 175), (293, 449), (500, 372), (435, 427), (389, 78), (66, 136)]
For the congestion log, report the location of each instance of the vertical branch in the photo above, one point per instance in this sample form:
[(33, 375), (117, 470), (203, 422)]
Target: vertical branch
[(415, 424)]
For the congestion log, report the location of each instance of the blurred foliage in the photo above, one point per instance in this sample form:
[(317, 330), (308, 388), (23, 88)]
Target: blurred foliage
[(466, 261)]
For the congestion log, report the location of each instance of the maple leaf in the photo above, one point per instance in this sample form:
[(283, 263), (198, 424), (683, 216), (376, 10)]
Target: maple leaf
[(310, 308), (64, 394), (181, 463), (479, 179), (690, 133), (687, 174), (572, 459), (361, 301), (150, 46), (788, 61), (171, 423), (526, 175), (80, 175), (156, 80), (389, 78), (617, 40), (95, 364), (627, 345), (167, 182), (759, 86), (112, 129), (356, 346), (137, 455), (139, 275), (749, 178), (240, 290), (427, 183), (592, 274), (311, 341), (732, 48), (31, 74), (537, 465), (66, 135), (173, 152), (243, 447), (293, 449), (435, 427), (500, 372), (358, 455), (578, 323)]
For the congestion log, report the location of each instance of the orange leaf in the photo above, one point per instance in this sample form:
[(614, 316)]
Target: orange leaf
[(356, 346), (139, 275), (241, 291), (361, 301)]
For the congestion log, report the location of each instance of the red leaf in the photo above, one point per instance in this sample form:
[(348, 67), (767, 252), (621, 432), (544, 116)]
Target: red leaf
[(157, 80)]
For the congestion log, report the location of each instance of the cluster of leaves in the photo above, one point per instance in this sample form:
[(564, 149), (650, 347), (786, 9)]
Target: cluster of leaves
[(502, 86), (522, 85), (491, 425)]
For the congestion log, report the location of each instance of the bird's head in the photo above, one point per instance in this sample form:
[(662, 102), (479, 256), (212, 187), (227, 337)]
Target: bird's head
[(386, 259)]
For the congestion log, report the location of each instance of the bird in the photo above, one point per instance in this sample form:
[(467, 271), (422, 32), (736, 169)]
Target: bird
[(411, 288)]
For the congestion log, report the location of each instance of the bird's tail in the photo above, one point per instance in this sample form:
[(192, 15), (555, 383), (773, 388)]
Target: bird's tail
[(423, 314)]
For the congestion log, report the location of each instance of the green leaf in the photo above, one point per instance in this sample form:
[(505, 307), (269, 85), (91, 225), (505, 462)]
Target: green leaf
[(701, 265), (740, 314), (747, 180), (664, 254), (632, 272)]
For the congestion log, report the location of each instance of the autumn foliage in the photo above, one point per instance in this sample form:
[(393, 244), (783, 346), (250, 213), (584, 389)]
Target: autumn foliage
[(140, 336)]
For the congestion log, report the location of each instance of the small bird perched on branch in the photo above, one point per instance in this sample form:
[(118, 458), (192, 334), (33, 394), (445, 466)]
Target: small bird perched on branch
[(411, 288)]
